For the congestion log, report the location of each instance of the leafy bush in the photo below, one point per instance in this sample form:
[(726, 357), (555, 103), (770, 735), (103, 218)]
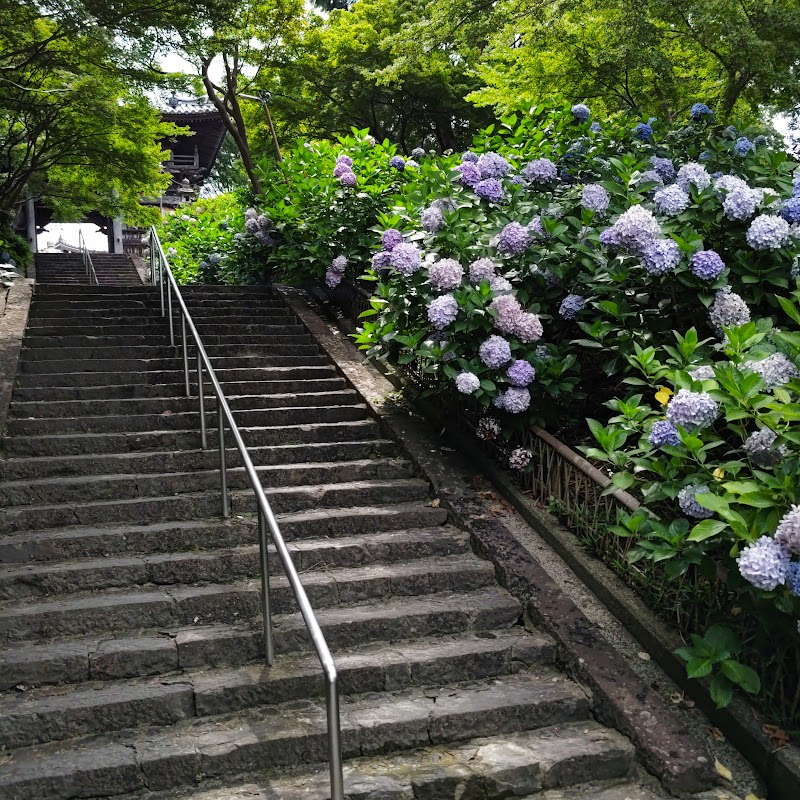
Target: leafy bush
[(16, 247)]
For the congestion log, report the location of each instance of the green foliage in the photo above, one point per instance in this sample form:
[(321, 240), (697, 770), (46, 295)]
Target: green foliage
[(16, 247)]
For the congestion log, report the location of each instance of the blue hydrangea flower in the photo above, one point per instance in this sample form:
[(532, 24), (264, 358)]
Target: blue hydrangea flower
[(643, 131), (760, 140), (382, 260), (796, 184), (514, 239), (571, 306), (398, 162), (390, 238), (406, 258), (634, 229), (758, 446), (705, 156), (741, 203), (491, 189), (445, 274), (792, 577), (442, 311), (595, 198), (609, 237), (663, 432), (514, 400), (664, 167), (671, 200), (469, 157), (595, 127), (767, 232), (518, 180), (692, 410), (790, 210), (727, 311), (743, 146), (698, 111), (432, 219), (707, 264), (581, 112), (469, 174), (467, 383), (494, 352), (687, 500), (492, 165), (418, 152), (540, 170), (764, 563), (661, 256), (693, 174), (521, 373)]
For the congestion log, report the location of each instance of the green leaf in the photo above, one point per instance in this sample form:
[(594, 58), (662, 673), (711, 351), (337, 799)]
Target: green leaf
[(706, 529), (699, 667), (722, 639), (721, 691), (742, 675)]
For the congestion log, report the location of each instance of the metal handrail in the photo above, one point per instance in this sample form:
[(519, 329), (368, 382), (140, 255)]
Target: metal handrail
[(162, 274), (87, 260)]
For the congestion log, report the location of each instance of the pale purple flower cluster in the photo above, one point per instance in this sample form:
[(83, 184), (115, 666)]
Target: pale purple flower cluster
[(764, 563), (390, 238), (775, 370), (540, 170), (348, 179), (767, 232), (672, 200), (467, 382), (649, 176), (728, 310), (442, 311), (790, 210), (344, 171), (787, 533), (469, 157), (495, 352), (514, 239), (482, 270), (398, 162), (664, 167), (469, 174), (488, 428), (693, 174), (490, 189), (581, 112), (508, 312), (758, 446), (793, 581), (406, 258), (529, 328), (382, 260), (707, 265), (661, 256), (687, 500), (340, 169), (500, 285), (333, 277), (741, 202), (432, 219), (595, 198), (692, 410), (571, 306), (514, 400), (519, 458), (634, 229), (446, 274), (257, 225), (521, 373), (702, 373), (663, 432), (344, 159), (418, 152), (536, 227), (492, 165)]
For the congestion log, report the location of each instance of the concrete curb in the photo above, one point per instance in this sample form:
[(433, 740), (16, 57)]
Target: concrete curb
[(13, 319), (621, 698)]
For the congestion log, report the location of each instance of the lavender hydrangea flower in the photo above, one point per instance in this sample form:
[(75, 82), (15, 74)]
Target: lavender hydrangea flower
[(687, 500), (796, 184), (446, 274), (442, 311), (707, 265), (418, 152), (636, 228), (529, 328), (571, 306), (535, 227), (514, 400), (469, 174), (581, 112), (595, 198), (406, 258), (467, 382), (251, 213), (643, 131), (495, 352), (664, 167), (728, 310), (508, 311), (741, 203), (692, 410), (390, 238), (341, 168), (609, 237), (743, 146), (492, 165), (488, 428), (767, 232), (793, 581), (482, 270), (398, 162), (499, 285), (382, 260), (251, 225), (344, 159), (521, 373), (775, 370), (693, 174), (787, 534), (650, 176), (540, 170), (758, 446), (672, 200), (698, 111), (764, 563), (519, 458), (663, 432), (661, 256), (702, 373), (518, 180), (432, 219), (595, 127), (348, 179), (469, 157), (790, 210), (514, 239), (490, 189)]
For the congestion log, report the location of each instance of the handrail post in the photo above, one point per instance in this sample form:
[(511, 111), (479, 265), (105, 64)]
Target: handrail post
[(334, 741), (223, 474), (269, 648), (185, 355), (202, 401), (169, 311)]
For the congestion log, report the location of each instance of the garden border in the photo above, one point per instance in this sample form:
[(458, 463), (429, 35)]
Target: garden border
[(13, 321), (621, 698)]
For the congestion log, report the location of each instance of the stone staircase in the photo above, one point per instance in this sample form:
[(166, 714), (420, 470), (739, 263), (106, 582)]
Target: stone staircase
[(131, 661), (67, 268)]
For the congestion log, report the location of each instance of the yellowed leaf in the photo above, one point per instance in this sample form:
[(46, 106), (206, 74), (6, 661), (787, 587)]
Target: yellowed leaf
[(663, 394), (752, 796), (718, 473), (722, 770), (718, 734)]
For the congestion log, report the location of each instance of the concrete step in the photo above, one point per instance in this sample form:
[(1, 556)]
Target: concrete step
[(295, 733), (83, 541), (44, 715), (199, 505), (71, 347), (214, 566), (103, 328), (138, 652), (239, 601)]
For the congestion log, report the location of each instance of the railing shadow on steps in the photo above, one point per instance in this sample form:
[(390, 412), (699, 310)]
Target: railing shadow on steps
[(87, 260), (162, 275)]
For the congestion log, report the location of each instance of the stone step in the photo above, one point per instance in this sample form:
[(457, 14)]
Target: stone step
[(41, 468), (45, 715), (101, 328), (196, 535), (121, 486), (148, 347), (240, 601), (214, 566), (151, 304), (199, 505), (167, 420), (295, 734), (138, 653), (166, 440)]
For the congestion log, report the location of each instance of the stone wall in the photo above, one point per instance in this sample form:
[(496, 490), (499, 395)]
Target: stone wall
[(14, 305)]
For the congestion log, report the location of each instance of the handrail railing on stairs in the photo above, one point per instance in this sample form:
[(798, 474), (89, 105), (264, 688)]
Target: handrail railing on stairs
[(162, 275), (87, 260)]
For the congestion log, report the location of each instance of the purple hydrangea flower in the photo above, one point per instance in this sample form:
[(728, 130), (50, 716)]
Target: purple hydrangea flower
[(649, 176), (661, 256), (728, 310), (348, 179), (406, 258), (536, 227), (469, 174), (529, 328), (635, 229), (702, 373), (514, 400), (508, 311), (514, 239), (251, 225), (469, 157), (541, 170), (571, 306), (775, 370), (519, 458), (446, 274), (251, 213), (693, 174), (499, 285), (492, 165), (692, 410), (687, 500), (698, 111), (581, 112), (663, 432), (764, 563), (382, 260), (432, 219), (743, 146), (341, 168), (333, 278), (482, 270), (521, 373), (787, 534), (758, 446), (344, 159), (490, 189), (418, 152), (339, 264), (767, 232), (518, 180), (495, 352), (398, 162), (595, 198), (609, 237), (467, 383), (707, 264), (790, 210), (664, 167), (741, 202), (390, 238), (672, 200), (442, 311)]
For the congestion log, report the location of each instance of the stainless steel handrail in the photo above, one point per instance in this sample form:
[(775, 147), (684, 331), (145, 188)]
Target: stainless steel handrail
[(87, 260), (160, 272)]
